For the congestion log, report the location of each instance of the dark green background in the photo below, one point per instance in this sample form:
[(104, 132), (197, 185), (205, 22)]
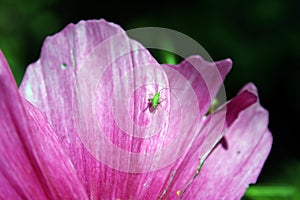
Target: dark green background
[(261, 37)]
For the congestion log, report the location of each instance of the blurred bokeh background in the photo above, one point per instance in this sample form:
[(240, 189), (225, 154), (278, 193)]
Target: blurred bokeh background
[(261, 37)]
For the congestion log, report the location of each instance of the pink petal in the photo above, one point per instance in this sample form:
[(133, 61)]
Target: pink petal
[(92, 83), (78, 101), (32, 163), (237, 160), (204, 77)]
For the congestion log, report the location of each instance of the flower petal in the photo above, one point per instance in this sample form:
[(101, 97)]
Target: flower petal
[(74, 84), (88, 69), (32, 162), (204, 77), (236, 161)]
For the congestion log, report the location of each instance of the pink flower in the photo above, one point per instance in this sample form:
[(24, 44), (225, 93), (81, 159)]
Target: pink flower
[(81, 126)]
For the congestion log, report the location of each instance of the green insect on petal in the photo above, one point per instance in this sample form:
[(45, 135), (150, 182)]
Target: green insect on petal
[(156, 100)]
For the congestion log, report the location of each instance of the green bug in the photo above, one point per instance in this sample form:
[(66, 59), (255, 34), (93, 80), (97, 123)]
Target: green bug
[(155, 100)]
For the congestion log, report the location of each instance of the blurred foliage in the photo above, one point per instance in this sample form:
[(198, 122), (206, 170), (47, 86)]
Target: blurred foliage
[(23, 27), (261, 37), (284, 185)]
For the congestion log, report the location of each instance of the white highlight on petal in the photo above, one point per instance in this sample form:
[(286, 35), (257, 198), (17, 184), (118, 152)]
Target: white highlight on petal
[(28, 92)]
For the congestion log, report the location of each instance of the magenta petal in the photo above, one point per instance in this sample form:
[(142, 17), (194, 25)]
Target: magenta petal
[(72, 85), (32, 163), (91, 83), (17, 176), (237, 160), (204, 77)]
